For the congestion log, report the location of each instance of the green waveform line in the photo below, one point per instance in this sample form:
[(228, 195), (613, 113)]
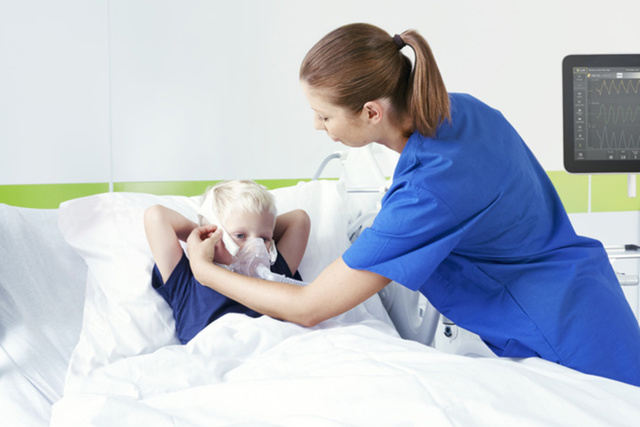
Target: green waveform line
[(613, 142), (618, 115), (618, 85)]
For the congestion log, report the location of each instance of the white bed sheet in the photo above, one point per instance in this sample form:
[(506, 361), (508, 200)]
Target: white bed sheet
[(21, 401), (42, 282), (350, 371)]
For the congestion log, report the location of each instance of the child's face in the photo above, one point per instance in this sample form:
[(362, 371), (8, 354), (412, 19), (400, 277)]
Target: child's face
[(244, 226)]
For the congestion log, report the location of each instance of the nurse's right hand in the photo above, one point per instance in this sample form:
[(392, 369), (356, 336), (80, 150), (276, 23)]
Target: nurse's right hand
[(201, 243)]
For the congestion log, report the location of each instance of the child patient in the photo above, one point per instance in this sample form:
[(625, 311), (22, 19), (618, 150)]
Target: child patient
[(245, 210)]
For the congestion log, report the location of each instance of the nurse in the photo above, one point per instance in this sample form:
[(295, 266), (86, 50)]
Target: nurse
[(471, 219)]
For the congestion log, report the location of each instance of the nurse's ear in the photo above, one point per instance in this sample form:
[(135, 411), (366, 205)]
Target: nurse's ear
[(374, 111)]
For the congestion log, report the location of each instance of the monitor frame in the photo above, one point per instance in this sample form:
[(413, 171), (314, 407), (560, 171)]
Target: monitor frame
[(572, 164)]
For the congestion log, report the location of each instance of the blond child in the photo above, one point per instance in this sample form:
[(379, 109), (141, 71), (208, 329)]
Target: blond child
[(245, 210)]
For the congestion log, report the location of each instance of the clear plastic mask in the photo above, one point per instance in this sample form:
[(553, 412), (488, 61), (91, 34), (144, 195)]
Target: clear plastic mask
[(252, 259)]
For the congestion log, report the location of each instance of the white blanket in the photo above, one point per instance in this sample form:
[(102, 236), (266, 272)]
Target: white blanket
[(352, 370)]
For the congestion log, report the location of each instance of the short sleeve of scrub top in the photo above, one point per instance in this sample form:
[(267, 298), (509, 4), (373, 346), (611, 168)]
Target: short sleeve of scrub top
[(412, 235)]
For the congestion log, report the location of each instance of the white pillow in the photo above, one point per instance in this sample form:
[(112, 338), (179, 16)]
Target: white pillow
[(123, 315)]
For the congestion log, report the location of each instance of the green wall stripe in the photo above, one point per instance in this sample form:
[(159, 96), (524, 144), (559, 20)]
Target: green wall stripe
[(608, 192), (189, 188), (572, 189), (184, 188), (47, 196), (272, 184)]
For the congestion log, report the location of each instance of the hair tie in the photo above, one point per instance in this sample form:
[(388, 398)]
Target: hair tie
[(398, 41)]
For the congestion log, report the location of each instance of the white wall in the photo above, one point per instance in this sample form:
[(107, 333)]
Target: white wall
[(54, 92), (131, 90)]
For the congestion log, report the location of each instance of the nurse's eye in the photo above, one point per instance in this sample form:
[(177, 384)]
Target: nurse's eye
[(323, 118), (239, 236)]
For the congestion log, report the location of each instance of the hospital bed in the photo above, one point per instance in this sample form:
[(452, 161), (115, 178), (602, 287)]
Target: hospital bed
[(85, 341)]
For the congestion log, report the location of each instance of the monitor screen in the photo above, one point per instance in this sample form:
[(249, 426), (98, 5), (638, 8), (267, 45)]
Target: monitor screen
[(601, 111)]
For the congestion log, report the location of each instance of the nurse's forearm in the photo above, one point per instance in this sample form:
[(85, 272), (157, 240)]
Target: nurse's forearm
[(278, 300), (336, 290)]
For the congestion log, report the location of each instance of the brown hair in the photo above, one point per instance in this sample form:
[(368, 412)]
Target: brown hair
[(359, 63)]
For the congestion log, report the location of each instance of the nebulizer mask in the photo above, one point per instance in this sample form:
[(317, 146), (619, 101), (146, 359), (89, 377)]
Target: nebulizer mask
[(254, 260), (236, 252)]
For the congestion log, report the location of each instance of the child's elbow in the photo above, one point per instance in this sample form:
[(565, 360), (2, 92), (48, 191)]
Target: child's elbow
[(307, 224), (153, 214), (302, 221)]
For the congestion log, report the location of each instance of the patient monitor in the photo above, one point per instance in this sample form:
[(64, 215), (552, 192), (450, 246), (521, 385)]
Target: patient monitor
[(601, 110)]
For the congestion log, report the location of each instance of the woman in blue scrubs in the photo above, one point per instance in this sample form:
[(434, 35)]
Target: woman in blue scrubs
[(471, 219)]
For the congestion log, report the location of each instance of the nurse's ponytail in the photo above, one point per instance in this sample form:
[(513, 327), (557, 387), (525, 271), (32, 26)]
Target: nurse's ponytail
[(358, 63), (427, 100)]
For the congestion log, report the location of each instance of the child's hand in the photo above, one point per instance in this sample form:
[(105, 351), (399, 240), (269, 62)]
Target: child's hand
[(201, 243)]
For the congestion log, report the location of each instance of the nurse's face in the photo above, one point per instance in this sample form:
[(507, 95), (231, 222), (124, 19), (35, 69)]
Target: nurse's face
[(340, 124)]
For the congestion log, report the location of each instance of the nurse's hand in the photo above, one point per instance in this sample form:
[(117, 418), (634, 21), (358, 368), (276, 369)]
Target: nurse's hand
[(201, 243)]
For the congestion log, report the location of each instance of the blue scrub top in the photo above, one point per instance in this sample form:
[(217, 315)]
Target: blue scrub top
[(473, 222)]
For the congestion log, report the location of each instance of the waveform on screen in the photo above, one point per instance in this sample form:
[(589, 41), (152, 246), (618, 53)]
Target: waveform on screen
[(618, 86), (618, 115), (617, 139)]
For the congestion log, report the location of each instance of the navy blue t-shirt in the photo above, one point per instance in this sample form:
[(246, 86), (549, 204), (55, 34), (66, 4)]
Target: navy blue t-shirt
[(194, 305)]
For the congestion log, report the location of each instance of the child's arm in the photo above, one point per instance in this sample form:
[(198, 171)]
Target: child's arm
[(165, 228), (291, 235)]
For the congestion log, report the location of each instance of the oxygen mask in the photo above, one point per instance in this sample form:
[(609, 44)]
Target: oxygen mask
[(254, 260)]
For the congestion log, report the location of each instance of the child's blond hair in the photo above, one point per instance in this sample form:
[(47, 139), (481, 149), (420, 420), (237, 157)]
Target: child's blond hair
[(219, 199)]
